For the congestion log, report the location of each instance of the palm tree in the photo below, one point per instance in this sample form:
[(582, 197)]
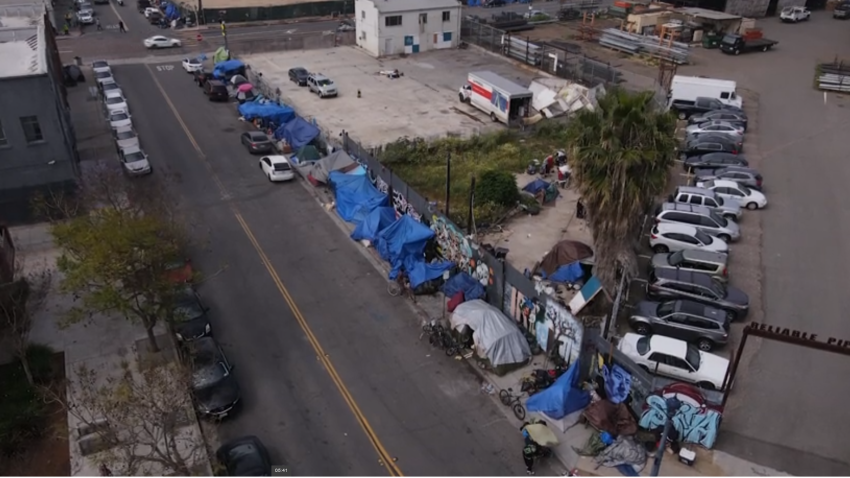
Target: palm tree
[(620, 155)]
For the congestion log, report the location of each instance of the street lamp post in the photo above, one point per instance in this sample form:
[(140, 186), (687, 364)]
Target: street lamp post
[(673, 405)]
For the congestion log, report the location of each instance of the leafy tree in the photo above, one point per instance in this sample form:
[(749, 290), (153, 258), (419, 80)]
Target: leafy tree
[(620, 155), (117, 261), (497, 187), (19, 300)]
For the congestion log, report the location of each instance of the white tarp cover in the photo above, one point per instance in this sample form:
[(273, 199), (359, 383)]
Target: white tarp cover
[(496, 336)]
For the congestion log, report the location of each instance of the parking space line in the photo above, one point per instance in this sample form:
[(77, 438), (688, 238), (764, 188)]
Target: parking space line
[(645, 256), (638, 279)]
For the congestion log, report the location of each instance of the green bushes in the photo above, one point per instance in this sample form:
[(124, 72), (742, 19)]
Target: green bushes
[(23, 414), (497, 187)]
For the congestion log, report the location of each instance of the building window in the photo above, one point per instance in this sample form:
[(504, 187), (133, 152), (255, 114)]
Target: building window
[(362, 14), (423, 18), (394, 21), (32, 130), (447, 16), (3, 140)]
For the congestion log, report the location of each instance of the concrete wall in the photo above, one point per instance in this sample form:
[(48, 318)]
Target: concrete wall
[(368, 33)]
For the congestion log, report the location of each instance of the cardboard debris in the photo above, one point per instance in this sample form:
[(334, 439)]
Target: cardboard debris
[(555, 97)]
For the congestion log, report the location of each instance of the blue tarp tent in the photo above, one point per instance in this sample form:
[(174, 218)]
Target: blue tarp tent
[(228, 66), (463, 282), (172, 12), (355, 196), (374, 223), (568, 274), (267, 112), (535, 186), (420, 272), (297, 132), (562, 397), (402, 244)]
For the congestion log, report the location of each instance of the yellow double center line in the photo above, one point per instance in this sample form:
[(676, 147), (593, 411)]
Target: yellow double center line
[(386, 459)]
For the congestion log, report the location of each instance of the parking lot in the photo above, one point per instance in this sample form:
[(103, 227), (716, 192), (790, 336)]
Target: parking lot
[(422, 103)]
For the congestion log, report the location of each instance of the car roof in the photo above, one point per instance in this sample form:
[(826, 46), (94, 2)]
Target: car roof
[(668, 345), (695, 190), (705, 256), (725, 183), (680, 275), (298, 68), (319, 76), (277, 159), (131, 149), (124, 129), (719, 154), (665, 227), (703, 311), (113, 93), (677, 206)]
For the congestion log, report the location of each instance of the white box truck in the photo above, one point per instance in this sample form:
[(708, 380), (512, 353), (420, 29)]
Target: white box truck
[(689, 88), (502, 100)]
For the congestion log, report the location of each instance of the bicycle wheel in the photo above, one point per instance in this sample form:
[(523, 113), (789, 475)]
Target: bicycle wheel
[(505, 397), (519, 411), (434, 340), (427, 327), (451, 350), (393, 288)]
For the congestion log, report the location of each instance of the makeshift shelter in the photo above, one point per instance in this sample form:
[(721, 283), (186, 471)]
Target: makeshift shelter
[(297, 132), (268, 112), (355, 196), (238, 80), (306, 154), (561, 263), (336, 161), (562, 397), (543, 191), (379, 219), (496, 337), (465, 283), (402, 244), (220, 55), (226, 69)]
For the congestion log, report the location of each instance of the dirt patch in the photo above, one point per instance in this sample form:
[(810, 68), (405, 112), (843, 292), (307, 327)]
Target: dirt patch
[(48, 455)]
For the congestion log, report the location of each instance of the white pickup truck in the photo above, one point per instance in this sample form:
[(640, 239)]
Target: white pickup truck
[(795, 14)]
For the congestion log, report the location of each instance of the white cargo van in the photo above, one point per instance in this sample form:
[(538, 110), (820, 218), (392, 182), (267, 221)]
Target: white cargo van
[(689, 88)]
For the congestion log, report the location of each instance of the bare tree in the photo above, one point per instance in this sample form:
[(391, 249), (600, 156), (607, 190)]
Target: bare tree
[(137, 423), (19, 301)]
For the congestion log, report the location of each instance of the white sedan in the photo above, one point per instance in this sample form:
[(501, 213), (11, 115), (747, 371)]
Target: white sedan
[(746, 197), (160, 41), (192, 65), (85, 17), (101, 66), (119, 119), (150, 10), (115, 101), (676, 359), (276, 168), (672, 237)]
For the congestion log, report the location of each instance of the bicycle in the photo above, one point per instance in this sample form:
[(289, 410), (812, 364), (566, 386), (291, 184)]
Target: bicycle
[(438, 336), (399, 285), (508, 399)]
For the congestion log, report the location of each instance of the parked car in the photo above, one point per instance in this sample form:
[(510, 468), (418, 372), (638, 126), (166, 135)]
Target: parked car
[(705, 197), (694, 260), (679, 284), (737, 144), (108, 87), (216, 90), (685, 109), (740, 174), (731, 117), (700, 146), (714, 161), (669, 236), (192, 65), (86, 17), (100, 66), (215, 389), (151, 10), (322, 85), (135, 161), (716, 127), (256, 142), (114, 100), (276, 168), (159, 41), (119, 118), (700, 324), (246, 456), (735, 191), (700, 217), (125, 137), (190, 316), (103, 77), (841, 11), (299, 75), (676, 359), (795, 14)]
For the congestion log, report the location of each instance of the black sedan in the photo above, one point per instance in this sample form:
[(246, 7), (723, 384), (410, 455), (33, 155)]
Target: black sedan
[(190, 316), (257, 142), (246, 456), (213, 386), (698, 147), (715, 161), (298, 75)]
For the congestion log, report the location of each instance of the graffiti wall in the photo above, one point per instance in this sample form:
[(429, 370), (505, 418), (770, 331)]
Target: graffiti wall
[(565, 330), (454, 246), (696, 422), (400, 200)]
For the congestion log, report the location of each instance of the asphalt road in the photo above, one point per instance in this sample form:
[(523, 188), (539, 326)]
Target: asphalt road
[(426, 409), (788, 409)]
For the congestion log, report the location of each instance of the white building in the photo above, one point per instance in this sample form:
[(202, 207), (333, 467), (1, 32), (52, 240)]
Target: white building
[(393, 27)]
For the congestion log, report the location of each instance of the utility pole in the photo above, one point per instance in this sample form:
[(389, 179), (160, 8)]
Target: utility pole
[(673, 405), (470, 223), (448, 181)]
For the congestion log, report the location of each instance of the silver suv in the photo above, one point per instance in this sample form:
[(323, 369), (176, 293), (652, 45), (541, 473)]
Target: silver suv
[(321, 85), (708, 198), (695, 260), (700, 217)]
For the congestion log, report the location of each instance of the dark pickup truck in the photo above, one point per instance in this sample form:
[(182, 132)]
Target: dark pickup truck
[(686, 109), (736, 44)]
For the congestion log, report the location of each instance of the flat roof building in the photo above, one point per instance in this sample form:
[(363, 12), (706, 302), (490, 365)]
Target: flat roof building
[(393, 27)]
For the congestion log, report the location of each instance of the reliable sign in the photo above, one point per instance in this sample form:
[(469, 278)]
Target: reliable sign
[(769, 331)]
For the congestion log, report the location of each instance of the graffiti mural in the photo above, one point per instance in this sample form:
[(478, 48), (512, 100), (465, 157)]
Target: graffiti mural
[(400, 203), (454, 246), (524, 310), (696, 422), (566, 329), (481, 272)]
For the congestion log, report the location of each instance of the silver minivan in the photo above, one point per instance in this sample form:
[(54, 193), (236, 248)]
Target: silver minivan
[(708, 198), (700, 217)]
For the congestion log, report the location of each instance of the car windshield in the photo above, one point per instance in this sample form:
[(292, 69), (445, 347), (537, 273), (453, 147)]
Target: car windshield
[(703, 237), (744, 189), (110, 86), (99, 64), (194, 62), (119, 117), (692, 357), (719, 219), (103, 74), (188, 311), (114, 100), (676, 258), (209, 376), (643, 345), (125, 135), (325, 82), (133, 157), (665, 309), (282, 167)]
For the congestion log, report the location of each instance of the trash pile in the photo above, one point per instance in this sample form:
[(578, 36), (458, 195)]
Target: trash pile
[(555, 97)]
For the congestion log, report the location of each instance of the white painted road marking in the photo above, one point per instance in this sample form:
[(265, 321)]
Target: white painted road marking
[(164, 67)]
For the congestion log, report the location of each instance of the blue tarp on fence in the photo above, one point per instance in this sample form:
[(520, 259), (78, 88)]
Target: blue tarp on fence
[(463, 282), (403, 245), (297, 132), (420, 272), (267, 111), (228, 66), (355, 196), (562, 397), (374, 223)]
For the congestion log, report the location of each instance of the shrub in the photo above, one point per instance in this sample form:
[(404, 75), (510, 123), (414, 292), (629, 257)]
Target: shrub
[(496, 187), (23, 414)]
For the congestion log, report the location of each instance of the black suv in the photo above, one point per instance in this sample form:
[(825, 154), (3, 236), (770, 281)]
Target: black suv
[(216, 90), (714, 161), (680, 284), (213, 386), (190, 316), (299, 75)]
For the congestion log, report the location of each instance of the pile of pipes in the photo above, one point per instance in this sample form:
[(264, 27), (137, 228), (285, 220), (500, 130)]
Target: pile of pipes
[(652, 46), (834, 76)]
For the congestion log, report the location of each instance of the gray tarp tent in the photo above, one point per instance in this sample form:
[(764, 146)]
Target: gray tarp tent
[(496, 336), (336, 161)]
